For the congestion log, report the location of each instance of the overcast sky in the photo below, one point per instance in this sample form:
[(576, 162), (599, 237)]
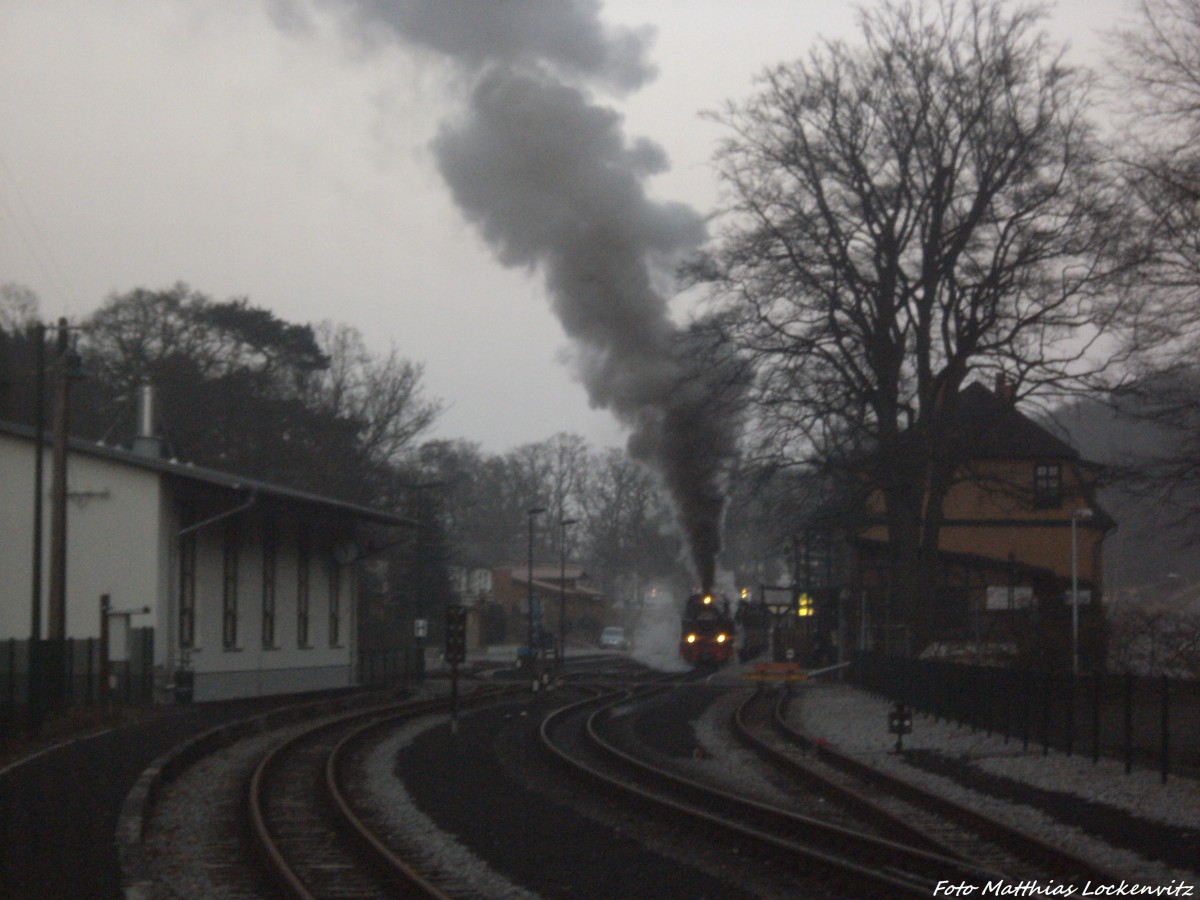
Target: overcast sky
[(262, 148)]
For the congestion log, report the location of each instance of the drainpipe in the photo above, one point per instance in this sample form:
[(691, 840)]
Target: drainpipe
[(230, 513)]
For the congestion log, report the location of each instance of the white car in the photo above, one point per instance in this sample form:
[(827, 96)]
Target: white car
[(613, 638)]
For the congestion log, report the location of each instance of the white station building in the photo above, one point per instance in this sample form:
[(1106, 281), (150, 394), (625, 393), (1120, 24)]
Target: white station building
[(251, 588)]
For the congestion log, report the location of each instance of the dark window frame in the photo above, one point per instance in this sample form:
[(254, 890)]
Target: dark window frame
[(335, 603), (270, 560), (229, 586), (1047, 485), (187, 591), (303, 586)]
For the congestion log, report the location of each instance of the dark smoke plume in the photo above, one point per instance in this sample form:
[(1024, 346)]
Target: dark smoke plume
[(549, 179)]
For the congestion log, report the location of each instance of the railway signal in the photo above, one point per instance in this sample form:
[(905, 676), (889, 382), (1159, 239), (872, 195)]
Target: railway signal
[(456, 634)]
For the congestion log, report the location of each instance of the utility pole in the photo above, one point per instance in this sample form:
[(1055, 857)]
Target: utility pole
[(35, 612), (57, 612), (39, 428)]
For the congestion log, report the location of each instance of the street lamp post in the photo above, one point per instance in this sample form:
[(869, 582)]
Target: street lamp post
[(1076, 515), (532, 650), (562, 592)]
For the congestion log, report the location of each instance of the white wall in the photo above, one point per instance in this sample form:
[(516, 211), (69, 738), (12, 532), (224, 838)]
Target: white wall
[(123, 540), (112, 539), (16, 536), (249, 668)]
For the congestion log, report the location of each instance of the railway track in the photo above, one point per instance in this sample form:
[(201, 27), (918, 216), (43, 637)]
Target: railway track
[(306, 816), (818, 854), (305, 828), (908, 814)]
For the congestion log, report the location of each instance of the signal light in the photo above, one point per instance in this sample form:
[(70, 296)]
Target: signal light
[(456, 634), (691, 639), (720, 638)]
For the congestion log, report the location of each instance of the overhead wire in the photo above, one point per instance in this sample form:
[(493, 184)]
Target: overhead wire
[(31, 236)]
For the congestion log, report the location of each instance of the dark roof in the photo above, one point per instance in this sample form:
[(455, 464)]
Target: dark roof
[(989, 427), (190, 472)]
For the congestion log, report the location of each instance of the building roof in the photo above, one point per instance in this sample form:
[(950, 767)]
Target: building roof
[(989, 427), (546, 580), (570, 571), (201, 475)]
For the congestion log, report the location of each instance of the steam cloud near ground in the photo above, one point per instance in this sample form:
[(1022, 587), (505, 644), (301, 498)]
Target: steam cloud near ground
[(551, 182)]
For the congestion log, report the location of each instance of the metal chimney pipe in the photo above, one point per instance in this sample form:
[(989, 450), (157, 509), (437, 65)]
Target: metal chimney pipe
[(145, 410), (145, 440)]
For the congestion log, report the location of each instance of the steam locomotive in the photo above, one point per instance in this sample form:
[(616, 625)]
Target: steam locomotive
[(707, 630)]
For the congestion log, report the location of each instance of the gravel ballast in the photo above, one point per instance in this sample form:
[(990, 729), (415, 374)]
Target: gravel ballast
[(1056, 797), (464, 800)]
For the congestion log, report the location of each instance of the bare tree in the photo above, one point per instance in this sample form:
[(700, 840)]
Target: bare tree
[(381, 393), (1158, 636), (245, 390), (18, 307), (627, 523), (1158, 85), (929, 204)]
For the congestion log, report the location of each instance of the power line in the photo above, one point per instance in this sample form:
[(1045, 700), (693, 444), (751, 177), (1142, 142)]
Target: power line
[(34, 241)]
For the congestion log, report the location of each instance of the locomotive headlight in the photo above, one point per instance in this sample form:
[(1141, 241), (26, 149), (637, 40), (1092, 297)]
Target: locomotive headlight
[(691, 639), (720, 638)]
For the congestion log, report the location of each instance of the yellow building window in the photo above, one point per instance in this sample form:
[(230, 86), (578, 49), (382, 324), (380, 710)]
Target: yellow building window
[(1047, 485)]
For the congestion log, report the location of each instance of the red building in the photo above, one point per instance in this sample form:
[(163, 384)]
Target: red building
[(553, 588)]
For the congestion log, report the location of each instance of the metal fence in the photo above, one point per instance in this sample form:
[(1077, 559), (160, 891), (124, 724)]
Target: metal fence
[(64, 674), (68, 674), (1148, 722)]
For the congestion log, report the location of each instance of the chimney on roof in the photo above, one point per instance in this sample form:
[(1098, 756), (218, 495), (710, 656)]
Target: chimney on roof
[(1004, 390), (145, 439)]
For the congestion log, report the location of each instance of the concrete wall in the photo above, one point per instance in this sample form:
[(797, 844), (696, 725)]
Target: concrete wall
[(230, 684)]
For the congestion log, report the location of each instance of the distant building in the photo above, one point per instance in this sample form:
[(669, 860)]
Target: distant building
[(472, 585), (1005, 545), (586, 610), (251, 587)]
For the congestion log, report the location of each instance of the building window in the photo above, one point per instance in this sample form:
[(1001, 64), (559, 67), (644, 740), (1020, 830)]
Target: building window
[(187, 591), (302, 585), (229, 588), (335, 603), (1047, 485), (268, 588)]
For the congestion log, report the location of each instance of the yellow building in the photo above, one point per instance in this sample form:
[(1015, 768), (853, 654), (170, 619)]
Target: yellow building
[(1022, 527)]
